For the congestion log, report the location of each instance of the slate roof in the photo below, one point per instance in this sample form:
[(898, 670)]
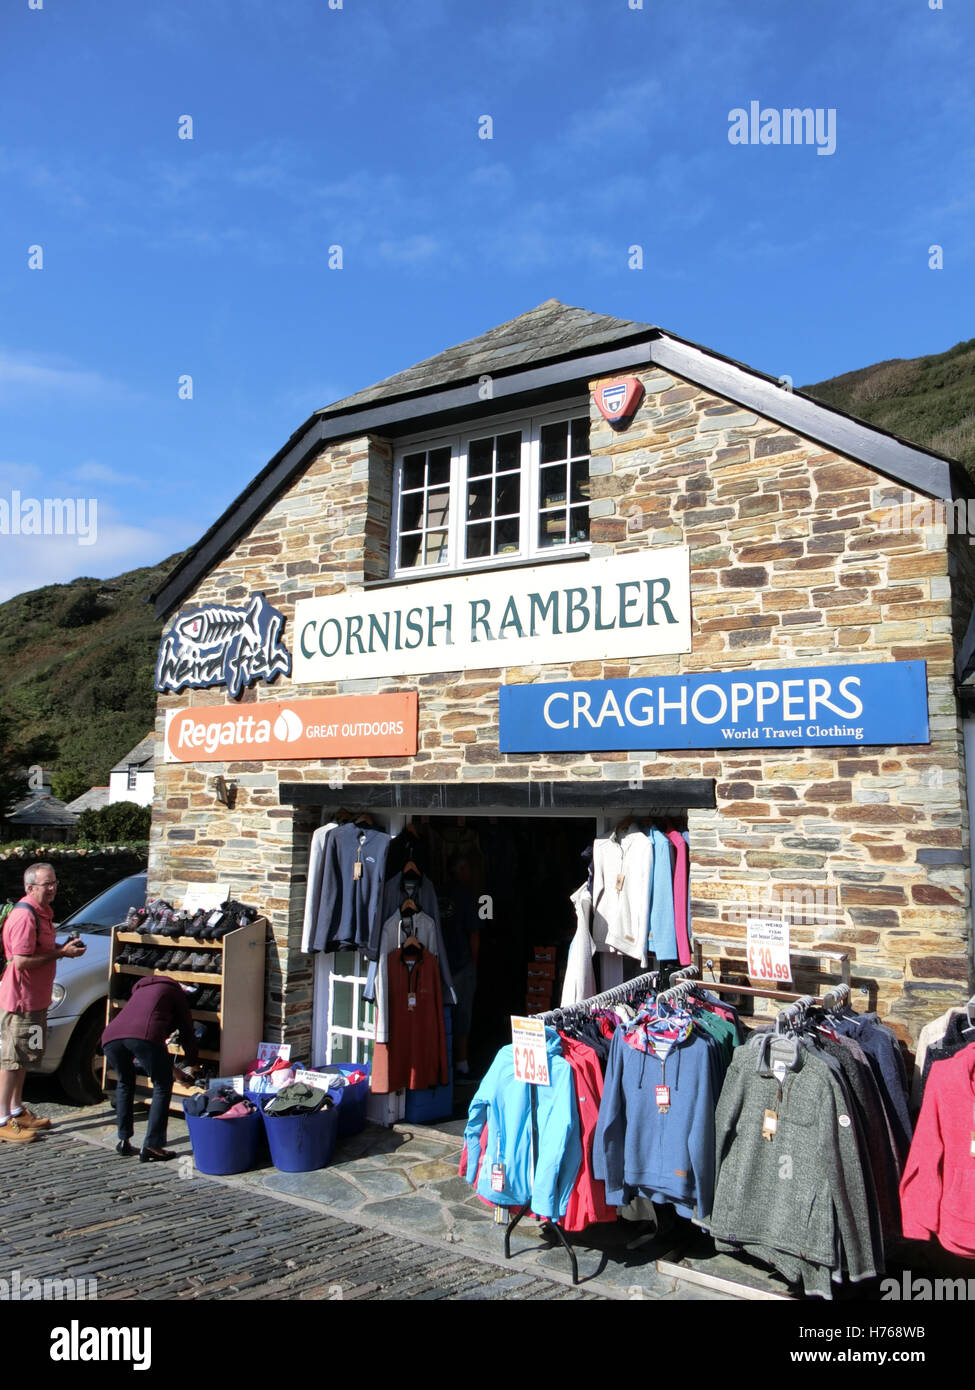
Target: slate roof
[(42, 810), (142, 755), (91, 800), (544, 334)]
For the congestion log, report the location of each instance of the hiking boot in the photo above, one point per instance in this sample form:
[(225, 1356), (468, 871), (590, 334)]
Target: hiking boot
[(29, 1120), (13, 1132)]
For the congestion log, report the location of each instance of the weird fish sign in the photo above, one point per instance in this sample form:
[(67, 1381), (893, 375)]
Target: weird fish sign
[(213, 644)]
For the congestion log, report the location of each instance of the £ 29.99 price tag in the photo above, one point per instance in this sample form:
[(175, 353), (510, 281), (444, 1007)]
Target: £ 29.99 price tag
[(530, 1052), (768, 950)]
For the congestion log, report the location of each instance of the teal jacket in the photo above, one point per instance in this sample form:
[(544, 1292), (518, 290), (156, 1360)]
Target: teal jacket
[(504, 1105)]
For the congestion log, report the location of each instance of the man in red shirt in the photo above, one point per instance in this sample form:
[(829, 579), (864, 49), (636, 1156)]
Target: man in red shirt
[(32, 954)]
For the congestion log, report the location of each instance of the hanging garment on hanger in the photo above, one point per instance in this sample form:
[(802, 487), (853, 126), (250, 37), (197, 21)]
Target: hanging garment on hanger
[(587, 1202), (938, 1187), (352, 886), (817, 1224), (580, 976), (880, 1044), (931, 1033), (680, 863), (662, 934), (415, 1056), (655, 1133), (957, 1035), (505, 1105), (622, 867), (313, 891), (393, 935), (393, 894)]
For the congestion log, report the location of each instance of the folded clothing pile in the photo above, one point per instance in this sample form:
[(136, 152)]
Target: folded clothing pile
[(218, 1103), (298, 1099)]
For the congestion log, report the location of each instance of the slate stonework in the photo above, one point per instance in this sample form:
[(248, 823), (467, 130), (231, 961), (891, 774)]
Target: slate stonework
[(789, 566)]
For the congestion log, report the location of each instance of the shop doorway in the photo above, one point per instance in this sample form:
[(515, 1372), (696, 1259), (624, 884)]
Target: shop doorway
[(510, 878)]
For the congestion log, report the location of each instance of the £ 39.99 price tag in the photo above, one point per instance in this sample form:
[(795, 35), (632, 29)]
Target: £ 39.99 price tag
[(768, 950), (530, 1052)]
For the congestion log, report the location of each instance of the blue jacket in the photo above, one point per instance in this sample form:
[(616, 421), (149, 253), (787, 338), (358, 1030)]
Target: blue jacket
[(663, 933), (668, 1156), (504, 1105)]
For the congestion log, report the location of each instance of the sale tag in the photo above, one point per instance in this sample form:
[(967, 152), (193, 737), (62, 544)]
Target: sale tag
[(620, 880), (768, 950), (972, 1149), (663, 1097), (239, 1085), (529, 1051), (411, 1001), (497, 1177), (357, 869), (770, 1124)]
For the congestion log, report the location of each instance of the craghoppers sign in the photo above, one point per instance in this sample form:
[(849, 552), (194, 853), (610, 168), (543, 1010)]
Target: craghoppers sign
[(213, 644)]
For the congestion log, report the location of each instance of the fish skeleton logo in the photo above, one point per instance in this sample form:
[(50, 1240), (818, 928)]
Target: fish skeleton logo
[(214, 645)]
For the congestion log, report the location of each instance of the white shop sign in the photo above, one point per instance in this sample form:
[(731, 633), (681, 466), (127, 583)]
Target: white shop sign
[(635, 606), (529, 1051)]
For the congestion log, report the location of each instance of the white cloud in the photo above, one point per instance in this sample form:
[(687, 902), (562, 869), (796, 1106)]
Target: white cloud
[(24, 372), (99, 473)]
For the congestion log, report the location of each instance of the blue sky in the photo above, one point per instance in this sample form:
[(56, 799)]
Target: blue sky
[(358, 126)]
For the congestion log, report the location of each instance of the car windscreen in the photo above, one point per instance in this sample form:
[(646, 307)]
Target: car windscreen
[(109, 907)]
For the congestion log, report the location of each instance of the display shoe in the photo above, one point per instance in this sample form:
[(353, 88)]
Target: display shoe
[(135, 919), (124, 1148), (156, 1155), (13, 1132), (179, 960), (29, 1120), (215, 963), (197, 962), (164, 961)]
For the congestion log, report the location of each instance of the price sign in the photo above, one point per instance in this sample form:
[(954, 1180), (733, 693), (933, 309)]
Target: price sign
[(208, 896), (768, 950), (530, 1052)]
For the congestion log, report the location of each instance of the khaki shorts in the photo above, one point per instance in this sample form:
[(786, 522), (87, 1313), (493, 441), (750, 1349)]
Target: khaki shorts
[(22, 1039)]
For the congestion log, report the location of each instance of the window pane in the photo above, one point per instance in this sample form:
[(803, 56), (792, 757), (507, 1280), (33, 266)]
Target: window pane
[(411, 511), (580, 480), (551, 528), (479, 540), (439, 467), (436, 548), (580, 523), (507, 494), (437, 507), (554, 440), (479, 500), (480, 457), (341, 1005), (580, 436), (413, 471), (506, 536), (341, 1048), (509, 450), (409, 550), (553, 485)]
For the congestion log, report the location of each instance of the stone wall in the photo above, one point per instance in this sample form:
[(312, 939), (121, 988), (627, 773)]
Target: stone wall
[(789, 566)]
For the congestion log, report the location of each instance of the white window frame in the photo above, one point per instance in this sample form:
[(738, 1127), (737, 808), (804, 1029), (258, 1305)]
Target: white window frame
[(530, 551)]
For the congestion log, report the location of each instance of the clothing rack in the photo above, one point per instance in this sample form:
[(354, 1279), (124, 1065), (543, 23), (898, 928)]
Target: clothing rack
[(617, 995)]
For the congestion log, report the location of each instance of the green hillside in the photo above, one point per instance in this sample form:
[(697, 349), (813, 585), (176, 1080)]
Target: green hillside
[(77, 662), (927, 400)]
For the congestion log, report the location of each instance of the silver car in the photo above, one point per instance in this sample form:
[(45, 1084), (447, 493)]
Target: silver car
[(76, 1017)]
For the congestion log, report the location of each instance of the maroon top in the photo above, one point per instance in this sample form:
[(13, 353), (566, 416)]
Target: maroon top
[(157, 1006)]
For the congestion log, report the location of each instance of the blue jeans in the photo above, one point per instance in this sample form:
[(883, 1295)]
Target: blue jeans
[(122, 1054)]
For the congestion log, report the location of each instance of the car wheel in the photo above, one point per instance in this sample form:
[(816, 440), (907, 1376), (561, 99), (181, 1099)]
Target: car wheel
[(80, 1074)]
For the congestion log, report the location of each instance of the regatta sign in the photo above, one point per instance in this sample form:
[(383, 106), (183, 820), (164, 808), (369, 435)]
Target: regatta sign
[(802, 707), (627, 606), (336, 726)]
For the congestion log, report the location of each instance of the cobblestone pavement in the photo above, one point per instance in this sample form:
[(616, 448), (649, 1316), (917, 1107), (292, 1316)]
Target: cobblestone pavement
[(74, 1210)]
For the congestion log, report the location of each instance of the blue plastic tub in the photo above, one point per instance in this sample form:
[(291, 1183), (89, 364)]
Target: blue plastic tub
[(302, 1143), (352, 1107), (225, 1146), (436, 1102)]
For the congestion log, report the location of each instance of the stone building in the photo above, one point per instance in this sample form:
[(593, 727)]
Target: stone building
[(803, 553)]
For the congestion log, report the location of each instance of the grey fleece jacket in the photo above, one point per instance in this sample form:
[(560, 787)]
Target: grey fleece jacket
[(803, 1192)]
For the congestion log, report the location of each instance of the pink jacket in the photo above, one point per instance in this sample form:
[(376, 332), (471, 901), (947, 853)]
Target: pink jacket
[(938, 1186)]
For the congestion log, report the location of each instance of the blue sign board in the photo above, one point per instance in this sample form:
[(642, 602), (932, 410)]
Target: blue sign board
[(795, 707)]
